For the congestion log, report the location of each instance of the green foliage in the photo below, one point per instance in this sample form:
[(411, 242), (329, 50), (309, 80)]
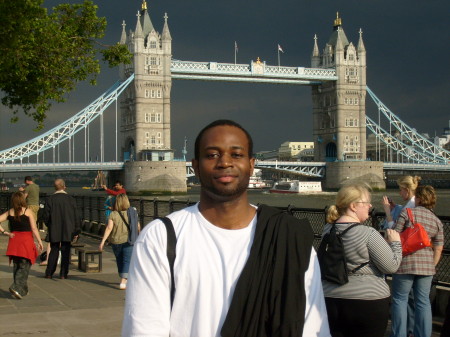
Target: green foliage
[(44, 55)]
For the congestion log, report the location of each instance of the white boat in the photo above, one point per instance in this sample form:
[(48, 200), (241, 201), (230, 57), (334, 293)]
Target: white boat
[(256, 182), (296, 186)]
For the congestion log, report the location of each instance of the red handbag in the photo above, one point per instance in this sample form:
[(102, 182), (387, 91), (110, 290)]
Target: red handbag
[(414, 237)]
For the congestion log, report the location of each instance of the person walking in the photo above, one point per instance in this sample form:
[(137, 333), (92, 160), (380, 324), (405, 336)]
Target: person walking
[(21, 247), (351, 306), (31, 191), (239, 269), (122, 224), (417, 269), (63, 221)]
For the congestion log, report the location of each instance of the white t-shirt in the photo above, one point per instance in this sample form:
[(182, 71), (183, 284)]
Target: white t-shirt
[(208, 263)]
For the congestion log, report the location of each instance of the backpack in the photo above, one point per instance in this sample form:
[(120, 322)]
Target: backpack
[(331, 255)]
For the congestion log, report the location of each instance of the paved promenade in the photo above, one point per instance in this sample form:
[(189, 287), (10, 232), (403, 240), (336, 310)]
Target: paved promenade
[(84, 305)]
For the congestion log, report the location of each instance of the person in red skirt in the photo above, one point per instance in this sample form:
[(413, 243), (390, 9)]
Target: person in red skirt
[(21, 247)]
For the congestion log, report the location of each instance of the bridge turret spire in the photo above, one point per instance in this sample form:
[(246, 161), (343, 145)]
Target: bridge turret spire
[(361, 47), (166, 33), (147, 25), (315, 57), (138, 31), (123, 38)]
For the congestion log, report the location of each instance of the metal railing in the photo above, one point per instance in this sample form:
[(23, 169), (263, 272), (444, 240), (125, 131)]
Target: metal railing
[(93, 214)]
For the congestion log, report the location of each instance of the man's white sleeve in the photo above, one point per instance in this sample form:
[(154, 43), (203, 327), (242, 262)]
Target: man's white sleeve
[(316, 318), (147, 304)]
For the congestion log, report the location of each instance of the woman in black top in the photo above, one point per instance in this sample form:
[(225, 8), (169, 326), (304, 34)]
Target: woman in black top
[(21, 247)]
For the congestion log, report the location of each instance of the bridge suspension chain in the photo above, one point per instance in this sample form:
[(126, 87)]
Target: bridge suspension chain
[(419, 143), (398, 146), (67, 129)]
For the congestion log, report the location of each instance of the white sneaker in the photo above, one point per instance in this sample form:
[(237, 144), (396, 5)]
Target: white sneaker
[(123, 286)]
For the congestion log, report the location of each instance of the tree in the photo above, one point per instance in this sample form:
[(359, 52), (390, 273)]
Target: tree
[(44, 55)]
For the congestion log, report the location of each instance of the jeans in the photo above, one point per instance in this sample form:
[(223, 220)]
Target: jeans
[(401, 286), (123, 253), (21, 270)]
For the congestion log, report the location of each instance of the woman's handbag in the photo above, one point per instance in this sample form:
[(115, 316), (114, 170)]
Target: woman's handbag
[(414, 237)]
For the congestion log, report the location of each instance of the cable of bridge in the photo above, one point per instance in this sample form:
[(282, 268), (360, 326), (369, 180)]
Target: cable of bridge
[(67, 129)]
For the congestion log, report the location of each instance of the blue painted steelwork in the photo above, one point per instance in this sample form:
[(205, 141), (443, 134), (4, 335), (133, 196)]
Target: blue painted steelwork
[(67, 129), (421, 146)]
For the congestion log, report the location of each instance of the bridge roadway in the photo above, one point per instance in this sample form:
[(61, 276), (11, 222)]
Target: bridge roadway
[(311, 169)]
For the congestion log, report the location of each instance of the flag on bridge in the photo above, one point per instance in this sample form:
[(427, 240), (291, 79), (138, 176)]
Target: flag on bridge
[(280, 49)]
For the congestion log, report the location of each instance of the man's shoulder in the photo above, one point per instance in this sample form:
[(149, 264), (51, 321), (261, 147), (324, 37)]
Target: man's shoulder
[(63, 197), (178, 219)]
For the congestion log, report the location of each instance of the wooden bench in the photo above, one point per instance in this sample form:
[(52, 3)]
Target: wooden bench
[(89, 260), (73, 251)]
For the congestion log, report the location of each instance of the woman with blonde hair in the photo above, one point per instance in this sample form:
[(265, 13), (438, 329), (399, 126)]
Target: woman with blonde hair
[(122, 230), (21, 248), (352, 306), (417, 269), (407, 189)]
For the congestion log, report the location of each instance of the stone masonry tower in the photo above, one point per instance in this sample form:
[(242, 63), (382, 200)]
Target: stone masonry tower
[(145, 111), (339, 107), (145, 122)]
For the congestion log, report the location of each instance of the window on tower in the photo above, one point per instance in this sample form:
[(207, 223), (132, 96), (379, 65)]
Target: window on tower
[(152, 44)]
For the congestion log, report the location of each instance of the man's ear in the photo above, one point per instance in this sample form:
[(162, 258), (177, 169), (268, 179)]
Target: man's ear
[(252, 165), (195, 166)]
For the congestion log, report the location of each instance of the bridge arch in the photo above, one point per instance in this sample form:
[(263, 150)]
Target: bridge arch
[(330, 152)]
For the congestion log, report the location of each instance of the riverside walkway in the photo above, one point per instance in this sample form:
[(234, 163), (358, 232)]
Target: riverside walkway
[(84, 305)]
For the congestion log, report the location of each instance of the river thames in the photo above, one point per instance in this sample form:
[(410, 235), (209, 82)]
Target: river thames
[(312, 200)]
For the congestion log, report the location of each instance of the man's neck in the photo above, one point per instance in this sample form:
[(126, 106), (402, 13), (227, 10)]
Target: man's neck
[(234, 214)]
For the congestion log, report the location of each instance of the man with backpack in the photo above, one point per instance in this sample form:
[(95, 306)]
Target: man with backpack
[(237, 269)]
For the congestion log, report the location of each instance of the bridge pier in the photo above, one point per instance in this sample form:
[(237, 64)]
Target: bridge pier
[(155, 176), (344, 172)]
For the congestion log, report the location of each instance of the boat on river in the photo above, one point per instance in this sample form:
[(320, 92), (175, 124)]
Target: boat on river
[(296, 186), (256, 182)]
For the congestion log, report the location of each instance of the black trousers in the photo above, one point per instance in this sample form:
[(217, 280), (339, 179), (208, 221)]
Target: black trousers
[(348, 318), (52, 263)]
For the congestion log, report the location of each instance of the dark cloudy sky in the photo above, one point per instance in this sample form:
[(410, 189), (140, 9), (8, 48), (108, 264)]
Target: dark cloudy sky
[(407, 46)]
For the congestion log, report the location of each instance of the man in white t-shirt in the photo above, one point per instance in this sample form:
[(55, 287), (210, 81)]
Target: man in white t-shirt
[(240, 270)]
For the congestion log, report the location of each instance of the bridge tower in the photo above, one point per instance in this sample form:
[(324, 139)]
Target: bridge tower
[(339, 111), (339, 108), (145, 110), (145, 122)]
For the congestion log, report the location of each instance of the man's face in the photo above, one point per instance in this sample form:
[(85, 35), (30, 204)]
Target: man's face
[(224, 166), (118, 186)]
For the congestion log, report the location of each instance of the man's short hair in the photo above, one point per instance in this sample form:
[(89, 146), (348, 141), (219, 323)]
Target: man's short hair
[(222, 122), (118, 182), (28, 178), (59, 184)]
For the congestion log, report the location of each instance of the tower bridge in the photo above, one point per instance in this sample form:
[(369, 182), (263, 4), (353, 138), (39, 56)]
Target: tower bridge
[(144, 158)]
